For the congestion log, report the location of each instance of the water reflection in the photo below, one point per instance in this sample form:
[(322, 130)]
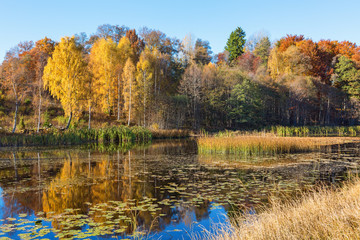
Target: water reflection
[(165, 189)]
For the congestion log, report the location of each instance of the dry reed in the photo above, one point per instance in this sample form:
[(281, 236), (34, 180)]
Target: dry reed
[(327, 214), (265, 145)]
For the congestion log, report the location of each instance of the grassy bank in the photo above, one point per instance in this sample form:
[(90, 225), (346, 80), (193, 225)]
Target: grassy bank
[(327, 214), (247, 145), (116, 135)]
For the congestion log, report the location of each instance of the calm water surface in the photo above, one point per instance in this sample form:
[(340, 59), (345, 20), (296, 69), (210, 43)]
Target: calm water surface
[(161, 191)]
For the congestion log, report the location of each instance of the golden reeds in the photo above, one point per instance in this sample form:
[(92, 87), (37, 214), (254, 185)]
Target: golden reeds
[(248, 145), (327, 214)]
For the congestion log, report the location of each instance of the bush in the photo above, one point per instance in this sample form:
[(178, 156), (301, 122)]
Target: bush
[(21, 125)]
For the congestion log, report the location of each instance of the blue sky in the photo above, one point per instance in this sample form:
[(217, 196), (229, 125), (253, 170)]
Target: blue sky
[(209, 20)]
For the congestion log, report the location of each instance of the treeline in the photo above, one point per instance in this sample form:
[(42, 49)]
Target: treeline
[(146, 78)]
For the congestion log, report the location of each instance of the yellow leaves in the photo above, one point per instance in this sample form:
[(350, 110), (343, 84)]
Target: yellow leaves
[(107, 61), (128, 89), (125, 50), (289, 62), (144, 80), (103, 59), (65, 74)]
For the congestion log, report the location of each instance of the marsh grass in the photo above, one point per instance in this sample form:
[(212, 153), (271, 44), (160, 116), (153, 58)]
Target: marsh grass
[(254, 145), (306, 131), (324, 214)]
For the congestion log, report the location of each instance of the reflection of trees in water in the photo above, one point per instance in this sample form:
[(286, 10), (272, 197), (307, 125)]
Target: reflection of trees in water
[(76, 177), (22, 181), (119, 177)]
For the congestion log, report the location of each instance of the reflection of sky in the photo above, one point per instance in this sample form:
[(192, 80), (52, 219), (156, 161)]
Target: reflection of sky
[(32, 217), (184, 231), (2, 204)]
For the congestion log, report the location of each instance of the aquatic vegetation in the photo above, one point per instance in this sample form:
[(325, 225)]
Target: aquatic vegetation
[(248, 145), (306, 131), (292, 131), (327, 214), (118, 135)]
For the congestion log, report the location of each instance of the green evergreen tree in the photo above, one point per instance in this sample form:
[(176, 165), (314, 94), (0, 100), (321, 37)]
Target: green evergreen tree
[(246, 104), (235, 44), (347, 76)]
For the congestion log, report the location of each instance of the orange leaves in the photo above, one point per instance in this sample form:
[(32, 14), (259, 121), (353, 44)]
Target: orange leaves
[(321, 54), (289, 40), (45, 45), (347, 49)]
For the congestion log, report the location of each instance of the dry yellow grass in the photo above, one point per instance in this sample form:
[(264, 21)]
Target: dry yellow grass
[(265, 145), (327, 214)]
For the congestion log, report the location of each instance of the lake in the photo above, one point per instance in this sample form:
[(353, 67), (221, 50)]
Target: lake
[(161, 190)]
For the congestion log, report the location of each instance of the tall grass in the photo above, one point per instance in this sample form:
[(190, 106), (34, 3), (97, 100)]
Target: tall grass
[(306, 131), (247, 145), (291, 131), (115, 135), (327, 214)]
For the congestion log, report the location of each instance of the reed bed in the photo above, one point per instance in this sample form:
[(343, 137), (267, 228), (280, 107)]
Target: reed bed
[(114, 135), (325, 214), (247, 145), (306, 131), (291, 131)]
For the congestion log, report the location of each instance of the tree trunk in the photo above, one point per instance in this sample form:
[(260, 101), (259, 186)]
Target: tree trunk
[(15, 118), (39, 116), (118, 99), (328, 110), (89, 126), (144, 74), (297, 114), (129, 104), (68, 124), (155, 83)]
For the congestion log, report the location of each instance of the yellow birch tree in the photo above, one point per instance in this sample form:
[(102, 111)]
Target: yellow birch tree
[(65, 74), (128, 89), (104, 57), (125, 52), (144, 83)]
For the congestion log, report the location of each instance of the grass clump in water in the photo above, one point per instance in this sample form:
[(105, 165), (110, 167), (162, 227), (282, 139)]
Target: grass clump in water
[(248, 145)]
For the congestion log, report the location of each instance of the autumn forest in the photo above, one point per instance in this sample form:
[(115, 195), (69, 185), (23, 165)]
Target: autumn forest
[(122, 76)]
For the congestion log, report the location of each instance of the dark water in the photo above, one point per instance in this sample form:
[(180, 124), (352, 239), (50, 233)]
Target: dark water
[(164, 190)]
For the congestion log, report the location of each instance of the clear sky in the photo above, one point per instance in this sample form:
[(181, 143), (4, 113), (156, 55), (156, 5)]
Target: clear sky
[(209, 20)]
